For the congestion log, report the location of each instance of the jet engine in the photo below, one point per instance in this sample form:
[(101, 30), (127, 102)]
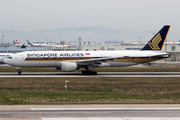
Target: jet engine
[(67, 67)]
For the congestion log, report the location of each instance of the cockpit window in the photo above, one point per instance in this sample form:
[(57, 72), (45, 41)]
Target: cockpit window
[(9, 57)]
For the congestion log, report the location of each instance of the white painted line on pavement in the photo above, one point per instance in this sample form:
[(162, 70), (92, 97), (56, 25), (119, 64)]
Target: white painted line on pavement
[(113, 118), (104, 108)]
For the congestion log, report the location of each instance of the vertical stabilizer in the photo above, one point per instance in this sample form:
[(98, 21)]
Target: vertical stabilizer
[(157, 42), (68, 44), (17, 42), (14, 42), (29, 43)]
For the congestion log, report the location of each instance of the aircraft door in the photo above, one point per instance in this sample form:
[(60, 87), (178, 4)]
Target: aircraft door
[(22, 58)]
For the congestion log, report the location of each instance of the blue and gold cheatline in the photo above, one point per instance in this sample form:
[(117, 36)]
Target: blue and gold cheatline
[(157, 42)]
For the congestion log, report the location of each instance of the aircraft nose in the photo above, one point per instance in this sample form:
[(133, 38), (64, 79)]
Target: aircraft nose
[(7, 61)]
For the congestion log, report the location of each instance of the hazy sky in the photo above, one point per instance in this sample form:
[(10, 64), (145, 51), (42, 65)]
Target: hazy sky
[(29, 15)]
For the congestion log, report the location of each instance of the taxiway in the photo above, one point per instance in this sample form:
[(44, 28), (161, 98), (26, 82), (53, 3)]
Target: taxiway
[(78, 74), (90, 111)]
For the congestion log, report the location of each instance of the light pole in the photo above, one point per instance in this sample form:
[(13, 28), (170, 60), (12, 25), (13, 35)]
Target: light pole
[(75, 40), (60, 41), (2, 40)]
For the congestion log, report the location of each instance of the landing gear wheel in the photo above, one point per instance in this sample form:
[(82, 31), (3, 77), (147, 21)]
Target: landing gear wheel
[(87, 72), (90, 72), (19, 72), (84, 72), (94, 73)]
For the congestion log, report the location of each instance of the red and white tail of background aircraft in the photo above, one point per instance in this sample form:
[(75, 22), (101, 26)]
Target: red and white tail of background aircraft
[(17, 44)]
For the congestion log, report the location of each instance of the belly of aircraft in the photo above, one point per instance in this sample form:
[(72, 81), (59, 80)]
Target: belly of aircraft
[(137, 60), (37, 64)]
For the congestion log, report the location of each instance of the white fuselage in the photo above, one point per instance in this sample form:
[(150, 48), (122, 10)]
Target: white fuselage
[(3, 56), (53, 58)]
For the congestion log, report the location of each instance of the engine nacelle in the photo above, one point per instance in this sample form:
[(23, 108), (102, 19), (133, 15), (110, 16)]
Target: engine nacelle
[(104, 65), (67, 67)]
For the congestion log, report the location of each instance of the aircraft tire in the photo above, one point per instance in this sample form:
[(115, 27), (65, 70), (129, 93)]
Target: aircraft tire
[(19, 72), (89, 72), (84, 72), (94, 73)]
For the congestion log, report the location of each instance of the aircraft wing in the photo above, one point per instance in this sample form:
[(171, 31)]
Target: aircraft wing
[(95, 60)]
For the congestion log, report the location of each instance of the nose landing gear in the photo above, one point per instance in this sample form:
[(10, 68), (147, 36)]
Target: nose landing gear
[(19, 70)]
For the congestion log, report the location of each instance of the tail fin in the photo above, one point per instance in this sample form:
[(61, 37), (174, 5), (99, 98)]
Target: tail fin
[(157, 42), (68, 44), (104, 48), (173, 43), (29, 43), (17, 42), (14, 42)]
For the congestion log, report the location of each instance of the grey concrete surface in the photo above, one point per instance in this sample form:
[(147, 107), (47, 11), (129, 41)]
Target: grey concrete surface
[(78, 74), (33, 112)]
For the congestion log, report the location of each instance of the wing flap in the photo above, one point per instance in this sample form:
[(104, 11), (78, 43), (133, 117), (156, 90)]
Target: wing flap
[(95, 60)]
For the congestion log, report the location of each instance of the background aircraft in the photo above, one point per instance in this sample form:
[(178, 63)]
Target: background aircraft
[(17, 44), (60, 46), (35, 45), (45, 45)]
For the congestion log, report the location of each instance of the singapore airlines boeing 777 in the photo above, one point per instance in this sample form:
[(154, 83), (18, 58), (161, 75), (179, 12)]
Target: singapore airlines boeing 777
[(68, 61)]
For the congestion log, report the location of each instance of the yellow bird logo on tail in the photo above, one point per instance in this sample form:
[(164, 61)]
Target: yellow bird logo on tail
[(154, 44)]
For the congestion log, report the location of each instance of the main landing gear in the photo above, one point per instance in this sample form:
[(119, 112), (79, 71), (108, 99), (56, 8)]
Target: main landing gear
[(89, 71)]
